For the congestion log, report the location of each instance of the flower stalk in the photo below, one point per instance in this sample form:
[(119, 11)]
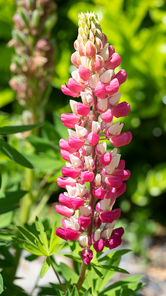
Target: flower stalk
[(33, 64), (92, 121)]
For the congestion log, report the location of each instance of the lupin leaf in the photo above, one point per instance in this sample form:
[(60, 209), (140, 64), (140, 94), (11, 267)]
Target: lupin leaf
[(45, 267)]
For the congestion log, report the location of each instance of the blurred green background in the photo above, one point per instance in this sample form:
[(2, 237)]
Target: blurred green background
[(137, 30)]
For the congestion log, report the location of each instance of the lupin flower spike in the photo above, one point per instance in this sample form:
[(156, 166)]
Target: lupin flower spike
[(32, 64), (97, 82)]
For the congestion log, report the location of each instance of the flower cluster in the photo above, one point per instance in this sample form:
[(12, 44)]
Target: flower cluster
[(90, 126), (32, 63)]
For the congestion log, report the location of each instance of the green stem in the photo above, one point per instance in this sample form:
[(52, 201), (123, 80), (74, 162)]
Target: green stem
[(57, 276), (81, 276)]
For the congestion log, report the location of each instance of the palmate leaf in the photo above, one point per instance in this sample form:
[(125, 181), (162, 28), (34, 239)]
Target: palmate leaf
[(29, 247), (14, 155), (7, 130)]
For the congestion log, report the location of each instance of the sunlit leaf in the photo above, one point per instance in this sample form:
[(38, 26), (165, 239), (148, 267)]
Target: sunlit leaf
[(42, 236)]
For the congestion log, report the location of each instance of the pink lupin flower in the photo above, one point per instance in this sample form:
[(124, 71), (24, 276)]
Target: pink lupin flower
[(91, 123)]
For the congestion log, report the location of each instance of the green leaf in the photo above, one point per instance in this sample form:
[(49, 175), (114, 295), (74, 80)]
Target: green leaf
[(10, 202), (113, 255), (68, 273), (98, 272), (60, 293), (59, 127), (42, 236), (107, 274), (7, 130), (54, 238), (42, 144), (45, 162), (56, 247), (14, 155), (29, 236), (112, 268), (74, 257), (68, 293), (29, 247), (12, 197), (88, 292), (74, 292), (7, 96), (124, 289), (1, 284), (45, 267)]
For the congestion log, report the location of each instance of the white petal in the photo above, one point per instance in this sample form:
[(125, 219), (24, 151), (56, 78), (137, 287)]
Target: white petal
[(93, 80)]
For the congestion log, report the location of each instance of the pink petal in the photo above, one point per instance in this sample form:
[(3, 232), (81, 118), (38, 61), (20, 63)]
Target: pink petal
[(99, 192), (93, 138), (99, 246), (68, 92), (84, 73), (107, 116), (70, 172), (105, 159), (121, 76), (84, 221), (121, 189), (100, 90), (113, 62), (61, 233), (113, 181), (75, 142), (76, 202), (64, 211), (74, 86), (107, 217), (122, 109), (112, 87), (87, 176), (71, 234), (62, 182)]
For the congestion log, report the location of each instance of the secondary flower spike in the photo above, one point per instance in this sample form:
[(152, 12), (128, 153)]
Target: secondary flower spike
[(97, 82)]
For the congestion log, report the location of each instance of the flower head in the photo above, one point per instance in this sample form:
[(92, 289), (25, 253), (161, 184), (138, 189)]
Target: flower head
[(93, 120)]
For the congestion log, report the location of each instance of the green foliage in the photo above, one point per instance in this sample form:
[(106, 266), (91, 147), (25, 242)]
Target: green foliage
[(9, 202), (1, 284), (38, 243)]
